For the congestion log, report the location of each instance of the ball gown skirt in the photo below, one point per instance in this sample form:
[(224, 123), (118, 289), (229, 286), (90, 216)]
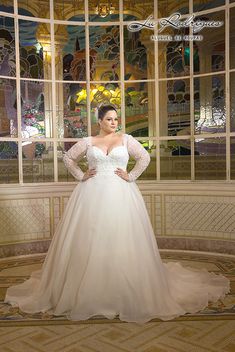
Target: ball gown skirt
[(104, 260)]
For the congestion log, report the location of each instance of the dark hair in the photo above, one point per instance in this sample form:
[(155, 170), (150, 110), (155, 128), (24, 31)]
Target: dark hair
[(103, 109)]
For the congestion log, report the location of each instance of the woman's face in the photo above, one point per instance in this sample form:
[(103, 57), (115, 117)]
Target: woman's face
[(109, 123)]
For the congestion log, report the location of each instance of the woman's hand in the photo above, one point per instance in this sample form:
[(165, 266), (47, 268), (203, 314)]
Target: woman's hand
[(121, 173), (88, 174)]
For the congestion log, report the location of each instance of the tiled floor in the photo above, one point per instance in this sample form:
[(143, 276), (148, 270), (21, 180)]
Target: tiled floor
[(199, 333)]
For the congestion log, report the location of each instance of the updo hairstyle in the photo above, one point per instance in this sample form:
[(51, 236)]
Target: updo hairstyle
[(102, 110)]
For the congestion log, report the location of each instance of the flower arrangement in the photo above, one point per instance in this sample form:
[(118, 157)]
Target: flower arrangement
[(74, 124), (31, 116)]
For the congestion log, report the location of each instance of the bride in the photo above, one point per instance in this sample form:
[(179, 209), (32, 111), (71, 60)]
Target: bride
[(103, 258)]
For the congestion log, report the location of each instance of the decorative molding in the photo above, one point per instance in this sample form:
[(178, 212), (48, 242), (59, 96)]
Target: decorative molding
[(16, 249), (177, 187), (197, 244), (164, 243)]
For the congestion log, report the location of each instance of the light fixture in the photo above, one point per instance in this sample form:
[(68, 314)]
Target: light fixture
[(103, 9)]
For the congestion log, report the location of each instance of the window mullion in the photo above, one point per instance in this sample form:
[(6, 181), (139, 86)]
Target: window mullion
[(18, 90), (157, 100), (227, 92), (191, 85), (53, 93)]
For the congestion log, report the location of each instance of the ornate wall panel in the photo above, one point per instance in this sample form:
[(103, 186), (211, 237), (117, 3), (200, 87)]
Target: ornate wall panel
[(199, 217), (24, 220)]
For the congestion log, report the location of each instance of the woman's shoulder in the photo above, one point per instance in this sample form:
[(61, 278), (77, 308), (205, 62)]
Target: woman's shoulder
[(82, 141), (122, 134), (127, 136)]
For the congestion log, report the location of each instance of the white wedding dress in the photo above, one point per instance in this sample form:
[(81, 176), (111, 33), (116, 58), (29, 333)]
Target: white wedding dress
[(104, 259)]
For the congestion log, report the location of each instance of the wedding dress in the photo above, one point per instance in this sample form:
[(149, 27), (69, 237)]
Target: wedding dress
[(104, 259)]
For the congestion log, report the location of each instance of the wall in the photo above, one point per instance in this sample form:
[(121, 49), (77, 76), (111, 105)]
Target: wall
[(184, 215)]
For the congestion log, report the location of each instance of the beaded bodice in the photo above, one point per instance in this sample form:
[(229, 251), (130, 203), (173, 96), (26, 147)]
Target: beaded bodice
[(106, 164)]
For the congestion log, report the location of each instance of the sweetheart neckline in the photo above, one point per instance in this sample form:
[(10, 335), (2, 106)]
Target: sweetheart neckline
[(118, 146)]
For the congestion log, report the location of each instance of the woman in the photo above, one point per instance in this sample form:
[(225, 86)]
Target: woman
[(103, 258)]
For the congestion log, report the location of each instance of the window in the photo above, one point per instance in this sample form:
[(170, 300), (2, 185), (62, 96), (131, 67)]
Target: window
[(59, 59)]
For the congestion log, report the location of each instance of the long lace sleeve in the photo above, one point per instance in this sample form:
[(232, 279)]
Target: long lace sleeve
[(141, 156), (73, 155)]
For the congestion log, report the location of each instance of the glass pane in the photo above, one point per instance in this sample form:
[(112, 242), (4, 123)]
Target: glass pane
[(34, 8), (104, 93), (232, 101), (36, 107), (7, 6), (150, 173), (37, 161), (63, 174), (137, 9), (9, 171), (104, 53), (70, 53), (175, 159), (138, 55), (201, 5), (232, 151), (69, 10), (71, 110), (175, 107), (232, 36), (168, 7), (209, 104), (35, 49), (209, 53), (210, 159), (174, 56), (103, 11), (8, 108), (7, 47), (140, 108)]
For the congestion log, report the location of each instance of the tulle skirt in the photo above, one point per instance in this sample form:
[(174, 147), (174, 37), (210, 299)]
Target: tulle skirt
[(104, 260)]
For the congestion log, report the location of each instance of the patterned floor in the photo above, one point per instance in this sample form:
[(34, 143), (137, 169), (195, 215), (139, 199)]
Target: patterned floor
[(191, 336), (213, 330)]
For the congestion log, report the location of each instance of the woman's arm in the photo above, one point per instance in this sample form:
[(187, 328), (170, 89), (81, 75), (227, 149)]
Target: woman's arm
[(73, 155), (142, 157)]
